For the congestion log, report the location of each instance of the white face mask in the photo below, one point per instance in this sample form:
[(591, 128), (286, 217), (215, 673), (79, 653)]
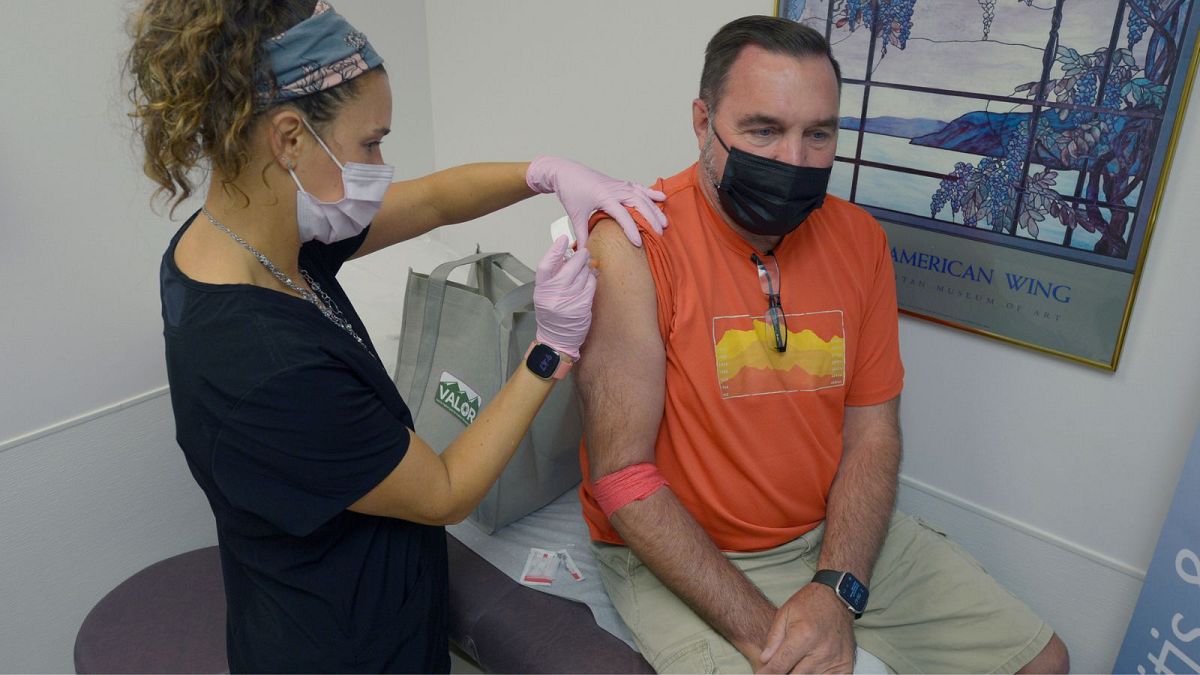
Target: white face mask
[(363, 188)]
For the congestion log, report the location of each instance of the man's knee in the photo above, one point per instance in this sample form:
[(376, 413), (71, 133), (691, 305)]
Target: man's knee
[(1052, 659)]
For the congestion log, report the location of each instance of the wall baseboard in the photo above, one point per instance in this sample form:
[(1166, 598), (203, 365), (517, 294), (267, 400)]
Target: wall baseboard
[(1025, 528), (937, 493), (82, 419), (1084, 596)]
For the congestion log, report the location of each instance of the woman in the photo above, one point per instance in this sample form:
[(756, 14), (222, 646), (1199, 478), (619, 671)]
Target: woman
[(328, 506)]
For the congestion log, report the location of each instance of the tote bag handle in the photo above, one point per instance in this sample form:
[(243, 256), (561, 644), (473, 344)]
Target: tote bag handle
[(435, 296)]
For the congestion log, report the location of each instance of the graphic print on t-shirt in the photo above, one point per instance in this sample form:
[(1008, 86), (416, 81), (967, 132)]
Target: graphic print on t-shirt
[(749, 365)]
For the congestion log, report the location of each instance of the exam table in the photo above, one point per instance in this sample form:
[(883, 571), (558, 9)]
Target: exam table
[(170, 618)]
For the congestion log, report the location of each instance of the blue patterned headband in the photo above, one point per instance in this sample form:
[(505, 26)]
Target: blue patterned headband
[(318, 53)]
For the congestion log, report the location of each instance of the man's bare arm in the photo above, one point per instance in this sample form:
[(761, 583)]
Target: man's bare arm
[(813, 631), (863, 494), (621, 380)]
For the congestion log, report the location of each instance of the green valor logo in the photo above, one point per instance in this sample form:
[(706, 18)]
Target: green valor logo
[(458, 398)]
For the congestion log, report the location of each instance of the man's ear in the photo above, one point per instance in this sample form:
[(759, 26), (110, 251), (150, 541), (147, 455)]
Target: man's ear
[(700, 122), (285, 130)]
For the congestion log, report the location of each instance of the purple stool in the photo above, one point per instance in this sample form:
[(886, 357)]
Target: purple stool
[(167, 618)]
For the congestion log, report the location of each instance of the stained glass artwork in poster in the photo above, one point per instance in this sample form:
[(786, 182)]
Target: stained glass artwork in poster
[(1015, 151)]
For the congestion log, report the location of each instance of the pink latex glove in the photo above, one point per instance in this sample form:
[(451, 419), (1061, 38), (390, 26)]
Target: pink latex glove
[(562, 295), (584, 191)]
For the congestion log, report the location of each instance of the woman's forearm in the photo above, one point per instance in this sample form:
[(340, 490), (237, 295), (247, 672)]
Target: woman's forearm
[(476, 458), (466, 192)]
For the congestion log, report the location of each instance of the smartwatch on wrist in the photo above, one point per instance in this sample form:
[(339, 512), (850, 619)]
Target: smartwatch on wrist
[(544, 361), (851, 591)]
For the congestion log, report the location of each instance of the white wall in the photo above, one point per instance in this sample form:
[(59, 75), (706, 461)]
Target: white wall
[(83, 327), (92, 485), (607, 83), (1056, 475)]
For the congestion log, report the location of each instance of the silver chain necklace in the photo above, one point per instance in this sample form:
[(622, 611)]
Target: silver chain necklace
[(324, 303)]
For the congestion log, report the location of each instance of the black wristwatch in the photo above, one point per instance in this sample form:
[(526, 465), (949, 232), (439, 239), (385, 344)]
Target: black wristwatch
[(847, 586), (542, 360)]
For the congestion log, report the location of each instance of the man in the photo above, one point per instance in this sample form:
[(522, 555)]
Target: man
[(741, 390)]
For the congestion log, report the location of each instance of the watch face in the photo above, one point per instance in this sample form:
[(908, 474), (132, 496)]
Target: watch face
[(543, 361), (853, 592)]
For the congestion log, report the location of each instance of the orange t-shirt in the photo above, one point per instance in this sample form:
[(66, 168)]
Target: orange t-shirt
[(751, 438)]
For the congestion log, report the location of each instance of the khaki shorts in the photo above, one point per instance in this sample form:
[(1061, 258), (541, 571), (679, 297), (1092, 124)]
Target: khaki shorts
[(933, 608)]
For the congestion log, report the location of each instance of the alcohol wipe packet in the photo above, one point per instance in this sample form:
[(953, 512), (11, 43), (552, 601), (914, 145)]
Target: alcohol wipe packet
[(540, 567)]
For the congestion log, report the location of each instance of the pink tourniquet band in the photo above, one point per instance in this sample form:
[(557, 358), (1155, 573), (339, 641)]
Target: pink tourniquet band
[(630, 484)]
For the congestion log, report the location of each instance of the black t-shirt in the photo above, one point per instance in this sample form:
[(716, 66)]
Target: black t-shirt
[(285, 421)]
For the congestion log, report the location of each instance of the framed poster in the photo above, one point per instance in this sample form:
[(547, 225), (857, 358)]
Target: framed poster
[(1016, 152)]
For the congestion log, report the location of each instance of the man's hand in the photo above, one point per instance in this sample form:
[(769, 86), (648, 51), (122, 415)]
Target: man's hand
[(813, 632)]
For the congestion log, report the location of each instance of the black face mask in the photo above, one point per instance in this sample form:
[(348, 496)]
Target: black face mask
[(766, 196)]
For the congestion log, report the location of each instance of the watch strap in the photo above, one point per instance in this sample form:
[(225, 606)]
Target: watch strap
[(830, 578)]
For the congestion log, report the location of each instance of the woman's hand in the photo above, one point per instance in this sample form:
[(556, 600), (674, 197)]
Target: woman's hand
[(562, 296), (583, 191)]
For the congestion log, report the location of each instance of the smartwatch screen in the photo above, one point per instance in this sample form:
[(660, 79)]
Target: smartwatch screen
[(543, 361), (853, 592)]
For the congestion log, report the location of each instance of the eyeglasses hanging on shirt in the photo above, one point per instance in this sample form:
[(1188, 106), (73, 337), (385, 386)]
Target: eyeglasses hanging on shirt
[(770, 282)]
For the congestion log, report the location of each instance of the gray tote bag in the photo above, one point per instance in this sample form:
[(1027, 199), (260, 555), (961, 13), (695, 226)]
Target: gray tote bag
[(458, 346)]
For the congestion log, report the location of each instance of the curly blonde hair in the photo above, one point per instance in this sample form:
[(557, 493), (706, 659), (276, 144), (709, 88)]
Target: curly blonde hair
[(195, 66)]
